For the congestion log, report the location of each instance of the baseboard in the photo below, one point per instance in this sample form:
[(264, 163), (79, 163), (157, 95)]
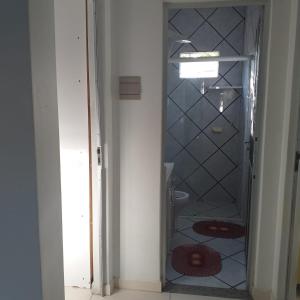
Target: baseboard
[(97, 290), (258, 294), (110, 287), (106, 290), (146, 286)]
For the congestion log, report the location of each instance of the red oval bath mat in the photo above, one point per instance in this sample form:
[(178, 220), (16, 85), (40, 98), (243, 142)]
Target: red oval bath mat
[(219, 229), (196, 260)]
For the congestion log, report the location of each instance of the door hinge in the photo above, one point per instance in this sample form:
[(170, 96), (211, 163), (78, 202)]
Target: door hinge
[(99, 156), (297, 159)]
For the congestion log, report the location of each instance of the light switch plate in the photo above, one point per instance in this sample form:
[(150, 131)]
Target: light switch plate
[(130, 87)]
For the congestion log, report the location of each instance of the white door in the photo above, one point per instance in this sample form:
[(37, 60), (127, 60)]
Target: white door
[(79, 139)]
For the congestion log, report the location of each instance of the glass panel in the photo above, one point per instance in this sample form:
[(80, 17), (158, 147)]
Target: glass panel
[(209, 69)]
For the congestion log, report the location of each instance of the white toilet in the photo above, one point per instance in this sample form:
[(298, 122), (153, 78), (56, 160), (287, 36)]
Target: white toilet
[(181, 200)]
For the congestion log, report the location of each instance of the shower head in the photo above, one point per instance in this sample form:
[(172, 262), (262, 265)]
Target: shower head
[(177, 37), (183, 41)]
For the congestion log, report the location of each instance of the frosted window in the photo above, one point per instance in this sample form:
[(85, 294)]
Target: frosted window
[(207, 69)]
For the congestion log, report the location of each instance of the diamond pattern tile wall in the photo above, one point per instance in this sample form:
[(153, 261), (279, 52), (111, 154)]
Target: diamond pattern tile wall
[(184, 130), (184, 27), (207, 148), (207, 163), (185, 95), (202, 113), (173, 113), (185, 164)]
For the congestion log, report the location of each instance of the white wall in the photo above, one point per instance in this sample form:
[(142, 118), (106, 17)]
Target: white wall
[(139, 53), (71, 65), (20, 250), (47, 160)]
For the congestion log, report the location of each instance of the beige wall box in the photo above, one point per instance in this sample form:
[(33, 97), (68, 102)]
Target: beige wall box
[(130, 87)]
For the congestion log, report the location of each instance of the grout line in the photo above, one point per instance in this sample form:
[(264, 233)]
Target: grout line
[(230, 256), (239, 13), (173, 17), (214, 276), (238, 262), (183, 228), (244, 281), (176, 278), (198, 242), (227, 256)]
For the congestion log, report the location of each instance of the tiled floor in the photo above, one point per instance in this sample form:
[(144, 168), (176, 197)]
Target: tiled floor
[(79, 294), (211, 209), (233, 273)]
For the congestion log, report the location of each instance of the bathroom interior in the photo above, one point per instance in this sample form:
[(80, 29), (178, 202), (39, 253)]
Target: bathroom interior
[(210, 136)]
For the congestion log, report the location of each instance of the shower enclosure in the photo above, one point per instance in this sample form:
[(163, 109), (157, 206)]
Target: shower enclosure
[(210, 110), (210, 117)]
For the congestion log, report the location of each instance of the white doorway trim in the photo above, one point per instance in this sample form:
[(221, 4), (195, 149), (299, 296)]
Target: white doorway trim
[(290, 243), (96, 152), (108, 124)]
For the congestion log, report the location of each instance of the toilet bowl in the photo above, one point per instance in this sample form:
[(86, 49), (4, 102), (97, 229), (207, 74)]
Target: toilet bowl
[(181, 200)]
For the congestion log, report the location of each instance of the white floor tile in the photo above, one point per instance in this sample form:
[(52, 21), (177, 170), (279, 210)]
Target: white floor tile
[(180, 239), (240, 257), (227, 211), (197, 209), (201, 281), (188, 211), (219, 201), (242, 286), (241, 240), (135, 295), (99, 298), (225, 246), (232, 272), (77, 294), (192, 297), (171, 274), (204, 206), (196, 236), (183, 223)]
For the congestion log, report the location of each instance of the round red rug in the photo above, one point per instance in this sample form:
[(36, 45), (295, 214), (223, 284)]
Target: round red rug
[(196, 260), (219, 229)]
